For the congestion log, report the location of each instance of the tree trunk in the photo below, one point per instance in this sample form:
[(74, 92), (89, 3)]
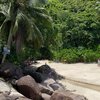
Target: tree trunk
[(4, 57), (8, 42)]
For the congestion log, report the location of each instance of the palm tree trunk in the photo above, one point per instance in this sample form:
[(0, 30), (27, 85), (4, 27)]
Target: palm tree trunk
[(8, 42), (4, 57)]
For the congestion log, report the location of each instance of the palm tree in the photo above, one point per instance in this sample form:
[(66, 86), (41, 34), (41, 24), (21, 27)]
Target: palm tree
[(20, 23)]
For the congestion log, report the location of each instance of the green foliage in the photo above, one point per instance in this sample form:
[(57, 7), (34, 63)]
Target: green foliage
[(22, 20), (77, 21), (76, 55), (45, 53), (69, 56), (66, 56), (24, 24), (90, 56), (76, 30), (26, 53), (73, 36)]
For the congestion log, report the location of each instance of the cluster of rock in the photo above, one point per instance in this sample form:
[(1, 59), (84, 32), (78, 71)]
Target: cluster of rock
[(33, 83)]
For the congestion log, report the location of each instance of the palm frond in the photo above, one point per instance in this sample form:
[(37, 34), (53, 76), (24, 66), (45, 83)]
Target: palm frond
[(44, 20), (41, 17), (4, 26), (20, 29), (15, 27), (4, 9), (39, 34), (35, 37), (22, 18)]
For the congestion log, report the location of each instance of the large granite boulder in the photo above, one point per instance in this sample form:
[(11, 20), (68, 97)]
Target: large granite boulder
[(66, 95), (29, 88), (45, 89), (11, 71), (7, 92), (53, 84), (47, 72), (32, 72), (57, 86)]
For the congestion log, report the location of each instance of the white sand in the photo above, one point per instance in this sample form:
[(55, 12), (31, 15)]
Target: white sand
[(83, 78)]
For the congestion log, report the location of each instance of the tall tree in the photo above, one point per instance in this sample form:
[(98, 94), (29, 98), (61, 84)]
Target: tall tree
[(20, 21)]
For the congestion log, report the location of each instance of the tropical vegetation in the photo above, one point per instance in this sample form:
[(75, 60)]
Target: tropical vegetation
[(60, 30), (77, 28), (22, 23)]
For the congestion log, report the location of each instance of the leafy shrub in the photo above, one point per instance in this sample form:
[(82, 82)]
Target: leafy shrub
[(66, 55), (90, 55), (69, 56), (45, 53), (76, 55)]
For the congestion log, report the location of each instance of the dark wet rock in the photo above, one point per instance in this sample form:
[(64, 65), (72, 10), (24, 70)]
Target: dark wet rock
[(44, 69), (9, 70), (28, 68), (29, 88), (32, 72), (48, 72)]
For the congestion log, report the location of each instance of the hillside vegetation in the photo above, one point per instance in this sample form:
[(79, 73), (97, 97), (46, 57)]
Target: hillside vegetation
[(77, 28), (68, 30)]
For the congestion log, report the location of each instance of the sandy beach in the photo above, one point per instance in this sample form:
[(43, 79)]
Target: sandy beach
[(80, 78)]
